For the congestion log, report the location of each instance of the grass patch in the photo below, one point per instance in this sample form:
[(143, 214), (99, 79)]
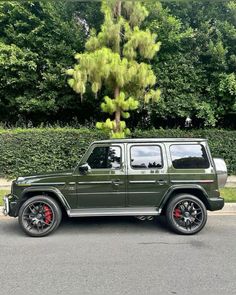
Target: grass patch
[(2, 194), (229, 194)]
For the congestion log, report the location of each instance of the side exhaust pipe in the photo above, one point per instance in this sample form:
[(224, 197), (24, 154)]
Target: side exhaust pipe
[(149, 218), (143, 218)]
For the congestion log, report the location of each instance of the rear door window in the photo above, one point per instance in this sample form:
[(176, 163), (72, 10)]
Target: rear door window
[(192, 156), (146, 157)]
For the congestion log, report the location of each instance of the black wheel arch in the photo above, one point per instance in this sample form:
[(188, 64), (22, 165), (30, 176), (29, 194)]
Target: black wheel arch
[(46, 191), (196, 191)]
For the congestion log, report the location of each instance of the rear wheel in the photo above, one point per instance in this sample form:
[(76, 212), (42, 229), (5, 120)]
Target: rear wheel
[(186, 214), (39, 216)]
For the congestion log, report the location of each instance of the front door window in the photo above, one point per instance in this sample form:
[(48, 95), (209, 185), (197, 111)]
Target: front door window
[(103, 157)]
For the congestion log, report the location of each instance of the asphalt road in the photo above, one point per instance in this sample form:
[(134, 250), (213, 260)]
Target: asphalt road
[(119, 256)]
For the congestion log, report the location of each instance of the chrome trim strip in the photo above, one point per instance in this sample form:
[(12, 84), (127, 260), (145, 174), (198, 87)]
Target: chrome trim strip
[(142, 181), (192, 181), (144, 192), (48, 183), (101, 193), (92, 212), (116, 193), (95, 182), (71, 182)]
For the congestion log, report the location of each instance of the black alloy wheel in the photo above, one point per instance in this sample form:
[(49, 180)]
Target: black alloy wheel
[(39, 216), (186, 214)]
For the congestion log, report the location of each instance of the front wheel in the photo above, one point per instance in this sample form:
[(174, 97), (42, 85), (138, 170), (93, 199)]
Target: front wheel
[(186, 214), (39, 216)]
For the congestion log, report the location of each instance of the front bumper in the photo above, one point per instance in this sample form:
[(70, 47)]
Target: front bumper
[(6, 207), (216, 203), (11, 205)]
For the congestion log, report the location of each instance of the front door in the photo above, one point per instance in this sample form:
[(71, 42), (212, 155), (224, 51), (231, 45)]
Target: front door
[(148, 179), (104, 184)]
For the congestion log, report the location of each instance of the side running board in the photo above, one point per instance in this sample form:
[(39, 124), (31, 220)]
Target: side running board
[(113, 212)]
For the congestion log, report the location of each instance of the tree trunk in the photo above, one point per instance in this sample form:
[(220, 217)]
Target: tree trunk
[(117, 8), (117, 90), (118, 112), (117, 14)]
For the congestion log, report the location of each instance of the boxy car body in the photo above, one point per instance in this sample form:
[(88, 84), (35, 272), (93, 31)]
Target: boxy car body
[(129, 177)]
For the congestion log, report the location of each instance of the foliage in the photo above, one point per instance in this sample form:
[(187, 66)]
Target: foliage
[(37, 42), (26, 151), (195, 66), (112, 59), (229, 194), (30, 151), (3, 193)]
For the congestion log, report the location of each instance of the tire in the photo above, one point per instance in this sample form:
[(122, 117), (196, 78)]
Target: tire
[(186, 214), (39, 216)]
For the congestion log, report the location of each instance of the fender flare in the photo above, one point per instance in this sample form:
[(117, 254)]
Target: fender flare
[(182, 187), (46, 189)]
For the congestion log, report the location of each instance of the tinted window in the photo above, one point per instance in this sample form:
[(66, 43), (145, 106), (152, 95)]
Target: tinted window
[(146, 157), (105, 157), (189, 156)]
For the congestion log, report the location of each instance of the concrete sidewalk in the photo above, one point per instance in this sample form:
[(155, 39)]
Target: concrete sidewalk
[(229, 209), (4, 183), (231, 181)]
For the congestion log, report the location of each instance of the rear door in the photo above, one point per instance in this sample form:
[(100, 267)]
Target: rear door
[(147, 174)]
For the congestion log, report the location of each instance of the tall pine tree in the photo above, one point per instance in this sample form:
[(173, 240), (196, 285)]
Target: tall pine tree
[(114, 58)]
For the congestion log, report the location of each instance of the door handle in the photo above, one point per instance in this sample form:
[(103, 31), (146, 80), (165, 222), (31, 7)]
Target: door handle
[(161, 182), (116, 182)]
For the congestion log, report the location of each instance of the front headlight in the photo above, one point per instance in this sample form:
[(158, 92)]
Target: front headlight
[(20, 179)]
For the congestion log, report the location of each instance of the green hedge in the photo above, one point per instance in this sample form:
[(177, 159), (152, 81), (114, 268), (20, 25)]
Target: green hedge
[(29, 151)]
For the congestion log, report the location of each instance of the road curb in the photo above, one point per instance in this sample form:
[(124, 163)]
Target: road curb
[(229, 209)]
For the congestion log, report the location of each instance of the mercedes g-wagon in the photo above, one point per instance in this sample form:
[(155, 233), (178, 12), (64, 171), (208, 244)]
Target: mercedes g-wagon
[(127, 177)]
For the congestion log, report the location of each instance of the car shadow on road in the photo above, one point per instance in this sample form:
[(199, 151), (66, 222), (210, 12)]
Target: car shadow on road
[(92, 225), (112, 224)]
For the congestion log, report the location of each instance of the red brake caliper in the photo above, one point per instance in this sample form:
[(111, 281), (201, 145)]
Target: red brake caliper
[(47, 214), (177, 213)]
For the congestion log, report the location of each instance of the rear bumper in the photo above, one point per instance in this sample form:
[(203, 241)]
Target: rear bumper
[(216, 203)]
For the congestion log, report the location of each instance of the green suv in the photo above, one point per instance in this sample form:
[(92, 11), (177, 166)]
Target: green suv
[(129, 177)]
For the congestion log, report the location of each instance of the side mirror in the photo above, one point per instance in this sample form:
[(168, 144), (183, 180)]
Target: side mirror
[(84, 169)]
